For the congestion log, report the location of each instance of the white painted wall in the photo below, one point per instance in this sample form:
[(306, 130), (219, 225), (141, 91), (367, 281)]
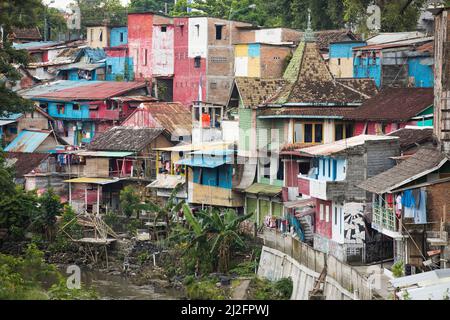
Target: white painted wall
[(230, 130), (337, 220), (241, 66), (328, 131), (163, 52), (198, 37), (273, 35)]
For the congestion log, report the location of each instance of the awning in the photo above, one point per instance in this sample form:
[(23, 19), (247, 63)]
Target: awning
[(5, 122), (167, 182), (299, 203), (203, 146), (106, 154), (265, 189), (248, 176), (100, 181), (204, 162)]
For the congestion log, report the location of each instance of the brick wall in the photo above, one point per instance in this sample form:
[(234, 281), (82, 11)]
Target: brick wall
[(438, 195), (273, 61)]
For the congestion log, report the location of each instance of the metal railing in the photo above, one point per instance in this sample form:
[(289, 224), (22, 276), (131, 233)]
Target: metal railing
[(384, 217)]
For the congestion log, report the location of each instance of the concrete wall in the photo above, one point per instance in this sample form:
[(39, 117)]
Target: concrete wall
[(140, 34), (118, 36), (283, 256), (163, 52)]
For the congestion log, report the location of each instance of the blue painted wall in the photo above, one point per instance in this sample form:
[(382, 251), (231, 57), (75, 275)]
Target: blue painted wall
[(421, 69), (367, 68), (217, 177), (118, 68), (69, 113), (115, 39), (330, 169), (344, 49), (254, 50)]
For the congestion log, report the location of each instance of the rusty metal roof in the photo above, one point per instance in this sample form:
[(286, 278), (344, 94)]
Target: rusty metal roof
[(92, 90), (28, 141)]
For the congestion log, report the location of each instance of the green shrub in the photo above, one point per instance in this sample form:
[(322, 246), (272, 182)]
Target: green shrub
[(205, 290), (398, 269), (284, 287)]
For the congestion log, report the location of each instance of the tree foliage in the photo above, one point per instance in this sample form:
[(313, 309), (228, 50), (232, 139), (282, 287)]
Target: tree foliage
[(95, 12)]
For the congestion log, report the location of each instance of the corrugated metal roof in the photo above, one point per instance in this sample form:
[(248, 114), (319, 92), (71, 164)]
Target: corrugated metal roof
[(105, 154), (92, 90), (12, 116), (27, 141), (193, 147), (52, 87), (215, 152), (205, 162), (5, 122), (34, 45), (165, 181), (341, 145), (100, 181), (385, 37), (82, 66), (261, 188)]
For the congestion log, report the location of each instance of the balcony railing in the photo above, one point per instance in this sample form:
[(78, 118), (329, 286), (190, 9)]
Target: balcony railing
[(383, 218), (321, 189)]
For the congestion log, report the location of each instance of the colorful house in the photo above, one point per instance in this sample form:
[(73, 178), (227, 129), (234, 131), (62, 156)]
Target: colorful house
[(118, 36), (340, 226), (82, 108), (39, 141), (261, 60), (340, 59), (409, 205), (119, 64), (403, 63), (88, 65), (392, 109)]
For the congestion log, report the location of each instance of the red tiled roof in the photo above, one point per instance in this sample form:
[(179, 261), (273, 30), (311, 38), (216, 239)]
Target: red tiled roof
[(24, 162), (27, 33), (93, 91), (335, 112), (394, 104)]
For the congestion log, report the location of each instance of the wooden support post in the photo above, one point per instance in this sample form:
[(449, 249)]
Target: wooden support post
[(85, 197), (98, 199)]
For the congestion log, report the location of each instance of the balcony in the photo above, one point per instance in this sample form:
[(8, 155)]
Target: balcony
[(384, 221), (321, 189)]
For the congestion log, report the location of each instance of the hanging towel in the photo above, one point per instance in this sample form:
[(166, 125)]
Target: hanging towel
[(420, 214), (408, 199)]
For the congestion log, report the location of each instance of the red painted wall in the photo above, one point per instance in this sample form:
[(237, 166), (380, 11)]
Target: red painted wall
[(186, 78), (141, 118), (303, 186), (321, 226), (140, 32), (371, 127), (291, 173), (119, 52)]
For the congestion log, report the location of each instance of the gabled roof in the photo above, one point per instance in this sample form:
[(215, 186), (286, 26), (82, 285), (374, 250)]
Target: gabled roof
[(124, 139), (172, 116), (325, 37), (424, 161), (395, 104), (24, 163), (255, 91), (310, 82), (28, 141)]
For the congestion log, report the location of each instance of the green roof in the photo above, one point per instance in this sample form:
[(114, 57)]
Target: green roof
[(261, 188)]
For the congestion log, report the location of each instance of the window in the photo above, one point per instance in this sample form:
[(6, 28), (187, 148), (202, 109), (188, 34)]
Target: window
[(100, 38), (219, 32), (12, 130), (339, 61), (321, 212), (335, 216), (92, 35), (343, 131), (145, 57), (308, 127), (280, 172), (298, 129), (313, 133), (181, 30), (60, 108), (329, 168), (266, 168), (121, 37), (318, 132), (213, 85), (76, 107), (327, 213), (163, 28), (197, 60), (197, 29), (109, 69)]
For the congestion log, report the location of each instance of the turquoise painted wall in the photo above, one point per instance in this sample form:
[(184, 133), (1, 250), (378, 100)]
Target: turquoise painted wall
[(344, 49), (117, 67), (115, 36), (330, 169), (421, 69), (69, 112), (367, 68)]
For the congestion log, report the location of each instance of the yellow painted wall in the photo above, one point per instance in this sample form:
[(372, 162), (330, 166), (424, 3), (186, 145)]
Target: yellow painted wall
[(254, 67), (344, 70), (93, 37), (241, 50)]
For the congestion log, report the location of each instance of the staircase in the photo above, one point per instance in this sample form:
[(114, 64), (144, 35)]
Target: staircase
[(307, 230)]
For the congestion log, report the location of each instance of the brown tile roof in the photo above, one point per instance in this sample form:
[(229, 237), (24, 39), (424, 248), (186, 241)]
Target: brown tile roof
[(410, 137), (27, 33), (363, 85), (333, 112), (424, 161), (255, 91), (395, 104), (312, 82), (133, 139), (23, 162)]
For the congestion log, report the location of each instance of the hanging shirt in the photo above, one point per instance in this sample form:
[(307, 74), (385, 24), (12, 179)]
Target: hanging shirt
[(420, 214)]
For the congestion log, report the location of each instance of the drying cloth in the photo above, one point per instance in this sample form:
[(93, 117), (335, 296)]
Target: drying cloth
[(420, 214), (408, 199), (416, 196)]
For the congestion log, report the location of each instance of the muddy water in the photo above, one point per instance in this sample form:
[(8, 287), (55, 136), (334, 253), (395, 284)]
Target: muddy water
[(117, 287)]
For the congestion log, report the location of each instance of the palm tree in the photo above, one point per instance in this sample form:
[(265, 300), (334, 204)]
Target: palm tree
[(219, 231)]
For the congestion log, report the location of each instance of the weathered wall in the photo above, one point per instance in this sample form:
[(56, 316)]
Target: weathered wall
[(93, 37), (140, 35), (438, 195), (118, 36), (163, 52)]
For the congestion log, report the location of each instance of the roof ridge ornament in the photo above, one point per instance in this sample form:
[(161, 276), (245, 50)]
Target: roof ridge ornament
[(309, 33)]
